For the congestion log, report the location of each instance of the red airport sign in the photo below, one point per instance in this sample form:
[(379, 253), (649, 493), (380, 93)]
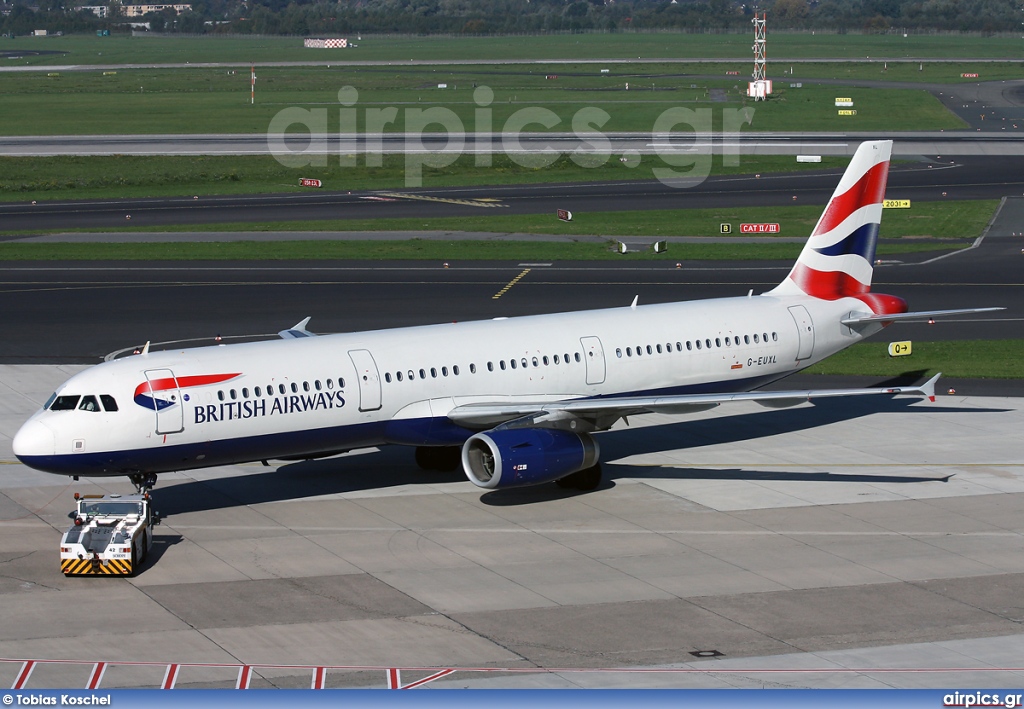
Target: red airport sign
[(310, 182), (565, 215), (968, 76), (759, 228)]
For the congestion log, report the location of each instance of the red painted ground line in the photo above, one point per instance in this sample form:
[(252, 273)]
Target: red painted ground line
[(26, 672), (394, 678), (244, 675), (319, 678), (431, 678), (97, 675), (170, 677)]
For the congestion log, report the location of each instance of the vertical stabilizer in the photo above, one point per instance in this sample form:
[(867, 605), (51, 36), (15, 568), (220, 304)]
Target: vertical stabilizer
[(838, 258)]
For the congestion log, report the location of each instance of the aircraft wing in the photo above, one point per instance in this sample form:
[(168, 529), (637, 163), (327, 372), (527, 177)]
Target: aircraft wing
[(913, 317), (297, 330), (610, 409)]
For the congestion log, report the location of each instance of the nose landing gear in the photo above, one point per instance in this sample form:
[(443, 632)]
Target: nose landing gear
[(143, 482)]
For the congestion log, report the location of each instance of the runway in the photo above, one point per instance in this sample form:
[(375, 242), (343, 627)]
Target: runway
[(933, 179), (307, 145)]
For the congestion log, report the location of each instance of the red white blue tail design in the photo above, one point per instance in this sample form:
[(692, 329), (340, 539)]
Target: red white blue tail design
[(838, 258)]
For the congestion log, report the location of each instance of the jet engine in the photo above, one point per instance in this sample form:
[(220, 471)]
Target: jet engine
[(526, 456)]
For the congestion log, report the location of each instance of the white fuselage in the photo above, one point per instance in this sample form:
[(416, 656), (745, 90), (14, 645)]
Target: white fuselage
[(294, 398)]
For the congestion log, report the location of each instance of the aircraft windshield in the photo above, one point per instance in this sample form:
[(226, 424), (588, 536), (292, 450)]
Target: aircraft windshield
[(65, 403), (119, 509)]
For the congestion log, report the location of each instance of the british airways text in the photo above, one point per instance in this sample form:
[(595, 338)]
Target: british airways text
[(296, 403)]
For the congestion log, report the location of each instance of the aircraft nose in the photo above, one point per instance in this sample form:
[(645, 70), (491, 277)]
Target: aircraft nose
[(32, 440)]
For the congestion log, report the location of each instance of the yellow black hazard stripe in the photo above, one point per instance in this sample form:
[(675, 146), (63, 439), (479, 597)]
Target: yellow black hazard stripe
[(100, 567)]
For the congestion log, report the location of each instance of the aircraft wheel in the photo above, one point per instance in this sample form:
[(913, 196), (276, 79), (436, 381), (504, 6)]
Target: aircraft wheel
[(445, 458), (425, 458), (449, 458)]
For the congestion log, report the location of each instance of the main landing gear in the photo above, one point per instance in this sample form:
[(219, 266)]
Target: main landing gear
[(143, 482), (443, 458)]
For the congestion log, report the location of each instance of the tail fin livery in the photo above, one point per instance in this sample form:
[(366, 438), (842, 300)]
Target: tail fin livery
[(837, 259)]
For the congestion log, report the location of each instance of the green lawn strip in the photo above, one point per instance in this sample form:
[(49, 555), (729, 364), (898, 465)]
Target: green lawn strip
[(74, 105), (678, 82), (971, 359), (420, 249), (125, 176), (958, 220), (88, 49)]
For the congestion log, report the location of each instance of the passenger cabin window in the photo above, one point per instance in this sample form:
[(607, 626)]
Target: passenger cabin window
[(89, 403), (109, 404), (65, 403)]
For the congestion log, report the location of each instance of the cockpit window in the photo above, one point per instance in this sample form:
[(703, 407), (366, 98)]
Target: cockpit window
[(49, 401), (65, 403), (89, 403), (108, 402)]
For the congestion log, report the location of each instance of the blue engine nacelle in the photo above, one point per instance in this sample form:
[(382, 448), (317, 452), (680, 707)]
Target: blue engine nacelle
[(526, 456)]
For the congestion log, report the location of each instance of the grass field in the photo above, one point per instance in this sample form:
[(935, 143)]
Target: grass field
[(123, 176), (957, 221), (412, 249), (969, 359), (147, 101), (120, 49)]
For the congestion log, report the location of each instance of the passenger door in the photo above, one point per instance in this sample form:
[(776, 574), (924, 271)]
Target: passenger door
[(593, 353), (166, 398), (368, 379)]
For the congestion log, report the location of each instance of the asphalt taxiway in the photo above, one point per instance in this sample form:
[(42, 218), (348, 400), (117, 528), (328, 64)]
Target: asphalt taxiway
[(850, 544)]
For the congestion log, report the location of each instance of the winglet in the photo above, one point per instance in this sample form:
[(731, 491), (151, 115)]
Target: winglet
[(297, 330), (928, 388)]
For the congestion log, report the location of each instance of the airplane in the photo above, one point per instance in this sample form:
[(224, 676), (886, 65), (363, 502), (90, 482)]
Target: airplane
[(514, 401)]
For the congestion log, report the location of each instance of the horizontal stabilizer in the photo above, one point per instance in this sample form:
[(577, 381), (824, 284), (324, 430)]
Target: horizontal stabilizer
[(914, 317), (483, 414), (297, 330)]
